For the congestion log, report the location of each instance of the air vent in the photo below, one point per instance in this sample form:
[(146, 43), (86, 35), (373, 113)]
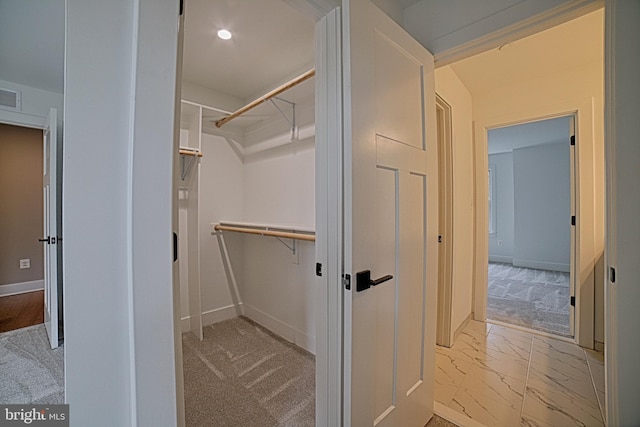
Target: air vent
[(10, 99)]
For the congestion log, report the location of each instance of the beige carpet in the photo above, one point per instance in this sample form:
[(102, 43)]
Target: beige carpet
[(242, 375), (536, 299)]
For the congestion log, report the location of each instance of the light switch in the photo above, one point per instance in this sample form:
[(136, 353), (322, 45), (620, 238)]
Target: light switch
[(25, 263)]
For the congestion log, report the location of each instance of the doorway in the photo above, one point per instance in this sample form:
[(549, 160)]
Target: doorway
[(246, 209), (531, 202), (444, 335), (21, 259), (32, 371)]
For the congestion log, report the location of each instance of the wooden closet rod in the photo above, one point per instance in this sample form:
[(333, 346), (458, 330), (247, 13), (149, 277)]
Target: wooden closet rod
[(190, 153), (268, 96), (283, 234)]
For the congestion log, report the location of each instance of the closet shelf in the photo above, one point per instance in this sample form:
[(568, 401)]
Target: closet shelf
[(272, 231)]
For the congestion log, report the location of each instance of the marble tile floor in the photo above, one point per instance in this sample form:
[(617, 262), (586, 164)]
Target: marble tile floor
[(499, 376)]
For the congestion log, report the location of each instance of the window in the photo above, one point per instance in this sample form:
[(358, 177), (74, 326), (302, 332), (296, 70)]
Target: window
[(492, 201)]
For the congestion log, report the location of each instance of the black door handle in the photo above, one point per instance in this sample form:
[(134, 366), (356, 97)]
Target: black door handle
[(175, 247), (48, 240), (364, 282)]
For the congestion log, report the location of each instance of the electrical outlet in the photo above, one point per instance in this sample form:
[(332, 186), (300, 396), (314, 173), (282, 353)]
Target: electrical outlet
[(499, 242), (25, 263)]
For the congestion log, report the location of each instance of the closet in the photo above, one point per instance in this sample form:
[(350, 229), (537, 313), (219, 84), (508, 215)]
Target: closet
[(247, 214)]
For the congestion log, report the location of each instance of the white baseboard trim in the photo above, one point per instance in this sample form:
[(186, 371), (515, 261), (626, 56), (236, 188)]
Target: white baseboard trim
[(278, 327), (454, 416), (459, 329), (212, 316), (21, 288), (501, 258), (541, 265)]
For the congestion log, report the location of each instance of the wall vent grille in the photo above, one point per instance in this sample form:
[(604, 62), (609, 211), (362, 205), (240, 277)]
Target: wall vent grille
[(10, 99)]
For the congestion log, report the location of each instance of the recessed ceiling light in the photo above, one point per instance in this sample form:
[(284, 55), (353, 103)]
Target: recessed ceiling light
[(224, 34)]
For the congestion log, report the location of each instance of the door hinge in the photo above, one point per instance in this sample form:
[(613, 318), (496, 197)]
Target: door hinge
[(346, 281), (318, 269), (573, 140), (612, 274), (573, 220), (573, 301)]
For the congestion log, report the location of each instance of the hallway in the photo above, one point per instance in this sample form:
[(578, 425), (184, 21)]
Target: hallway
[(500, 376)]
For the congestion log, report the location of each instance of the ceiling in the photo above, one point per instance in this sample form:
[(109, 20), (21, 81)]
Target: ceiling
[(271, 43), (574, 43), (541, 132), (32, 43)]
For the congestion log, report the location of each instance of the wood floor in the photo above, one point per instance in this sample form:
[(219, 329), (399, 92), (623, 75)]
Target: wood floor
[(20, 311)]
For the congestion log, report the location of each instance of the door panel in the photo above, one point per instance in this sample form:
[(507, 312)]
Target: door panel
[(385, 294), (49, 191), (398, 103), (390, 223)]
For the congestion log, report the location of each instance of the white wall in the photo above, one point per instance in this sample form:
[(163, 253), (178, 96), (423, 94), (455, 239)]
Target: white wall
[(579, 89), (623, 197), (119, 319), (453, 91), (279, 186), (95, 192), (278, 288), (542, 207), (503, 171)]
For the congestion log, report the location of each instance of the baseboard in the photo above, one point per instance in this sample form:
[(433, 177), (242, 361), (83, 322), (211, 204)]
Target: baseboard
[(460, 328), (212, 316), (598, 346), (541, 265), (501, 258), (21, 288), (278, 327)]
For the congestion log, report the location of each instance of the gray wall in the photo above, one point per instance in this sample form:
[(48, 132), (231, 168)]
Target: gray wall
[(20, 204), (503, 171), (542, 206)]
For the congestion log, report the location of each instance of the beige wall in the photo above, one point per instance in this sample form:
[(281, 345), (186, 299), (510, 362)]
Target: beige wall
[(579, 89), (20, 204), (453, 91)]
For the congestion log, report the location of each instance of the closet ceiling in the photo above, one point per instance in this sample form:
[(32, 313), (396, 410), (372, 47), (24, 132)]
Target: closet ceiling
[(271, 43)]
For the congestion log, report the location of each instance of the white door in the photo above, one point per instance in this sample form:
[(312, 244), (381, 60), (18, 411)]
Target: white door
[(391, 221), (50, 241)]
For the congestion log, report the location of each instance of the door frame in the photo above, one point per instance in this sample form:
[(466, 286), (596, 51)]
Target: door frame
[(20, 119), (329, 220), (573, 206), (444, 334), (583, 111)]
